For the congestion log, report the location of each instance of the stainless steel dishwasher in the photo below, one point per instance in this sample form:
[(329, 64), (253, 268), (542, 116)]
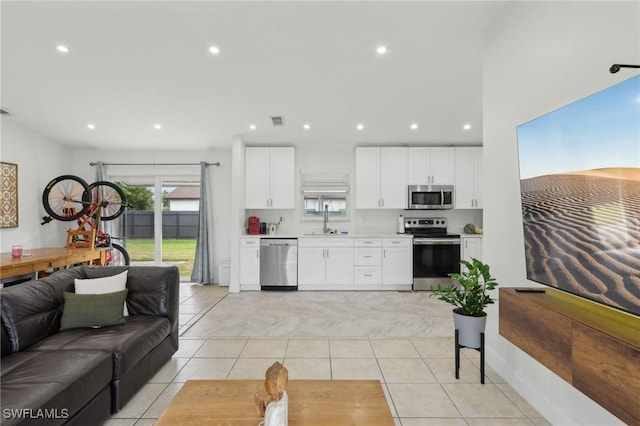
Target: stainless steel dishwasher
[(279, 263)]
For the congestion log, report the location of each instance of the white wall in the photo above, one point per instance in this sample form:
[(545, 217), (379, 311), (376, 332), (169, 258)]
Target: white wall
[(39, 160), (541, 56), (219, 181)]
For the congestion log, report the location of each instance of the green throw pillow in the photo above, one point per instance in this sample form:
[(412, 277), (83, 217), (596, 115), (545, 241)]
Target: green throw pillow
[(92, 310)]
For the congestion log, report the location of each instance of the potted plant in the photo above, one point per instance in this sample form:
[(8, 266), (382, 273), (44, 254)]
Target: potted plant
[(470, 297)]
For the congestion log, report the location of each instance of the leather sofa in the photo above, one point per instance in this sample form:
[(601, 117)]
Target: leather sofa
[(80, 376)]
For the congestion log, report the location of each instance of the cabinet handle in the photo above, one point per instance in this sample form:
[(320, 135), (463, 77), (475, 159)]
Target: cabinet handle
[(367, 242), (368, 257), (383, 202), (258, 254), (368, 275), (384, 253), (327, 253)]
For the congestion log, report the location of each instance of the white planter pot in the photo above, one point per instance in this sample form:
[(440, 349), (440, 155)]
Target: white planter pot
[(469, 329)]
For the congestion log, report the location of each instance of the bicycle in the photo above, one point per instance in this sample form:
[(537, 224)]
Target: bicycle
[(68, 197)]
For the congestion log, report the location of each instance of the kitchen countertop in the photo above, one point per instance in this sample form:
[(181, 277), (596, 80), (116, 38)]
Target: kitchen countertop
[(357, 234)]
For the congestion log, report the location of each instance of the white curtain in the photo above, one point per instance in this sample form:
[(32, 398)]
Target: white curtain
[(202, 264)]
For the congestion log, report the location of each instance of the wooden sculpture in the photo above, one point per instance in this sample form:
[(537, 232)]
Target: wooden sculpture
[(275, 407)]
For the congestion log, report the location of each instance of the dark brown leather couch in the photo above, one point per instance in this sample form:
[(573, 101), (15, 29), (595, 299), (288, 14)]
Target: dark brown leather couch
[(80, 376)]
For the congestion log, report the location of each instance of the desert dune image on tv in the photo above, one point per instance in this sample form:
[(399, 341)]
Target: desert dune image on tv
[(580, 192)]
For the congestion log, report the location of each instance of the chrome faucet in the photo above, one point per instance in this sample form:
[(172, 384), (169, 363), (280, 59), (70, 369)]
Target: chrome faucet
[(325, 228)]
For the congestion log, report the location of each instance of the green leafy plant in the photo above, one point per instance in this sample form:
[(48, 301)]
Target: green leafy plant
[(472, 296)]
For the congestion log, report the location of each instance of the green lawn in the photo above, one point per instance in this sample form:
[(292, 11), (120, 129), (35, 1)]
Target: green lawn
[(181, 251)]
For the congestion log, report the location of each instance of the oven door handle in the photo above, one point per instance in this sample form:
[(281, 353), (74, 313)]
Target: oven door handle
[(436, 241)]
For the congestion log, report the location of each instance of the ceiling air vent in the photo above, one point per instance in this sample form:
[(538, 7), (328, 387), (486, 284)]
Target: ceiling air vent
[(277, 120)]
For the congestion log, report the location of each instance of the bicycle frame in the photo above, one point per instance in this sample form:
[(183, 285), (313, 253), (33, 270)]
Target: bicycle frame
[(92, 219)]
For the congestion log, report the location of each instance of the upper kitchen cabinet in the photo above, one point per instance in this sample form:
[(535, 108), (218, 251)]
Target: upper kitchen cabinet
[(431, 166), (270, 178), (468, 184), (381, 180)]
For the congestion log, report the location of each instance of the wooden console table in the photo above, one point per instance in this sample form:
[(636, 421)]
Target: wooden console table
[(42, 259), (311, 403)]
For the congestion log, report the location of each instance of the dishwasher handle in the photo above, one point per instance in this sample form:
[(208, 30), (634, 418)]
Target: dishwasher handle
[(277, 242)]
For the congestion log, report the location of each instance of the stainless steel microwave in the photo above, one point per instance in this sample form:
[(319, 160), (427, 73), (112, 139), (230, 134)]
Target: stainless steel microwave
[(430, 197)]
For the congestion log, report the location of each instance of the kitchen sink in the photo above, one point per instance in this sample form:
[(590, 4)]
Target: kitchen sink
[(321, 234)]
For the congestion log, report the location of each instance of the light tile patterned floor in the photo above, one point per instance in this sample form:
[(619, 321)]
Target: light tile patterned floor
[(417, 373)]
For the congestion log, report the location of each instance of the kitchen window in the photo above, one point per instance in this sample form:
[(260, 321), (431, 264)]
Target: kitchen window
[(314, 205), (318, 191)]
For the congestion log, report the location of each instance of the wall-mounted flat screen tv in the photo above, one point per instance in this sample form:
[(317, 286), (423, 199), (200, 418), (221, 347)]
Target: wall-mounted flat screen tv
[(580, 192)]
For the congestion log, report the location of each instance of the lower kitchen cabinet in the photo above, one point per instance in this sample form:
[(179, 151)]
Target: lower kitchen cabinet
[(325, 263), (397, 261), (368, 262), (471, 247), (250, 263), (339, 263)]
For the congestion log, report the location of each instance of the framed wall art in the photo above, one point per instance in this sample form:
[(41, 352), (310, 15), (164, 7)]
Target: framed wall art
[(9, 201)]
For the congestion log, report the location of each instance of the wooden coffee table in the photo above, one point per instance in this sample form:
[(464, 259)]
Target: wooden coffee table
[(311, 403)]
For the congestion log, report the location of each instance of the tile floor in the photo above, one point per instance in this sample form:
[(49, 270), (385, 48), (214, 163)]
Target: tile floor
[(417, 373)]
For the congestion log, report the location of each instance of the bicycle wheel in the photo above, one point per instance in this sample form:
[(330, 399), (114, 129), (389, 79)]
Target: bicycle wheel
[(66, 197), (109, 197), (120, 256)]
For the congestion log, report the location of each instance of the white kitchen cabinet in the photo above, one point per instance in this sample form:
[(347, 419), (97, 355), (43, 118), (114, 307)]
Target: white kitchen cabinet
[(368, 261), (468, 183), (397, 261), (325, 262), (270, 178), (471, 247), (381, 181), (250, 263), (339, 261), (431, 166), (311, 265)]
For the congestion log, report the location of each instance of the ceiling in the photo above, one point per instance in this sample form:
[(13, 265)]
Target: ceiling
[(132, 65)]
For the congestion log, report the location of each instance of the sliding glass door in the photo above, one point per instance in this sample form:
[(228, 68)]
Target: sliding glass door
[(161, 225)]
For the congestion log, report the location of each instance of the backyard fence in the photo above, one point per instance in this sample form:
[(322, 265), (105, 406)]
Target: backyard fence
[(176, 224)]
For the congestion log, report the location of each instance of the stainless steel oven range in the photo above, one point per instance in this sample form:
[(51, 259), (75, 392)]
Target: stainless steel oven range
[(436, 253)]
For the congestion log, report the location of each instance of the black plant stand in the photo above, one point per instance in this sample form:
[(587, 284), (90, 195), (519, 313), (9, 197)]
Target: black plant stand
[(481, 350)]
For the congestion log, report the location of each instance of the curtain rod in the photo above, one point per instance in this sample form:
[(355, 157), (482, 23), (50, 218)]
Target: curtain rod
[(154, 164)]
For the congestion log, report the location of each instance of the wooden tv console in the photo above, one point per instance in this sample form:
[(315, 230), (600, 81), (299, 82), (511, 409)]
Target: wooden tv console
[(591, 346)]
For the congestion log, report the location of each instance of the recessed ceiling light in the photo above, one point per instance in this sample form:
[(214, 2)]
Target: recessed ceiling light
[(307, 126), (214, 50), (414, 126), (157, 126), (252, 126), (91, 126), (360, 126), (466, 126), (62, 48), (381, 50)]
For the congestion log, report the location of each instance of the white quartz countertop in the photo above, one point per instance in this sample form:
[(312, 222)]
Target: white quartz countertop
[(357, 234)]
